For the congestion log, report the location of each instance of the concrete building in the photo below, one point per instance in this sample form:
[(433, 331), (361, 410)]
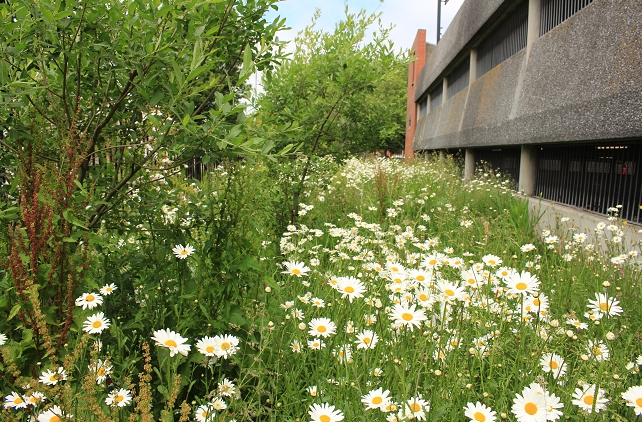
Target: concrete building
[(549, 91)]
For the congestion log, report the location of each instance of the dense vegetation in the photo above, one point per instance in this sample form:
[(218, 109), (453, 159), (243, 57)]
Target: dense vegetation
[(288, 282)]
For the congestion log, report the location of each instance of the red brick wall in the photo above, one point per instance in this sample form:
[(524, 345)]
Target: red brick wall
[(418, 60)]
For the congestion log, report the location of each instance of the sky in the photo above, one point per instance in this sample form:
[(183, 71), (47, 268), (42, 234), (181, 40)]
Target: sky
[(407, 16)]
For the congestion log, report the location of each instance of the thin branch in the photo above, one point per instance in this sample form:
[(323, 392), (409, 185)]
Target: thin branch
[(47, 118)]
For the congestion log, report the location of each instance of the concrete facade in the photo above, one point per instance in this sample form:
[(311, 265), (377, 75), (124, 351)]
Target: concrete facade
[(579, 82), (553, 98)]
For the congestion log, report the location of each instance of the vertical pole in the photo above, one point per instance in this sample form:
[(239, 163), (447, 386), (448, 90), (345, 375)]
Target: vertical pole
[(534, 24), (473, 66), (438, 20), (528, 170), (469, 164)]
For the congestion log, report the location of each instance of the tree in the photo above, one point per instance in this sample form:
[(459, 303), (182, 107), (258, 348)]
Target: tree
[(341, 93), (345, 93), (93, 96)]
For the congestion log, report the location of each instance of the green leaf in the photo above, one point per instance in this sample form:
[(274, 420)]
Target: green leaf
[(194, 73), (66, 214), (46, 13), (199, 31), (205, 311), (14, 311), (247, 68)]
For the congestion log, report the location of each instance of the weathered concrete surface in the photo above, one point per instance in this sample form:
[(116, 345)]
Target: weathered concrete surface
[(582, 81), (468, 21), (581, 220)]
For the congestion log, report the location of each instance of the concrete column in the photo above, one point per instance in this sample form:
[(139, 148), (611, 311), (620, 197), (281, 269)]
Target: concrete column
[(473, 66), (528, 170), (444, 91), (469, 164), (534, 11), (442, 155)]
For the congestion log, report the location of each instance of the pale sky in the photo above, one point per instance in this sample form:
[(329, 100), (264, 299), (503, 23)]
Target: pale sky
[(406, 15)]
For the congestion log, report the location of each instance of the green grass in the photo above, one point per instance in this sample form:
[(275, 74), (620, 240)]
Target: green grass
[(473, 341)]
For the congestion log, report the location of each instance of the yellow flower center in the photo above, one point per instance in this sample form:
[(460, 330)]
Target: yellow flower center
[(101, 371), (536, 302), (420, 278), (554, 365), (406, 316), (90, 298), (325, 418), (491, 262), (589, 400), (18, 400), (170, 343), (209, 349), (597, 351), (423, 297), (366, 340), (449, 292), (604, 306), (296, 271), (97, 324), (54, 419), (377, 400), (226, 346), (432, 262), (638, 402), (184, 252), (349, 289), (119, 398), (521, 286), (415, 407), (530, 408), (478, 416)]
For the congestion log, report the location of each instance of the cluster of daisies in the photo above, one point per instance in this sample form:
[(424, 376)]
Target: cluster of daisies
[(99, 369), (219, 346), (389, 284)]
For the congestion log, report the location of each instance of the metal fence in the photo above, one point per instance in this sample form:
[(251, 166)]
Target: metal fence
[(503, 42), (593, 177), (555, 12), (504, 160)]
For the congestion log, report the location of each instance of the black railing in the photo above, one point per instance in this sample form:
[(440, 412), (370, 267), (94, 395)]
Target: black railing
[(593, 177), (504, 160), (459, 78), (503, 42), (555, 12)]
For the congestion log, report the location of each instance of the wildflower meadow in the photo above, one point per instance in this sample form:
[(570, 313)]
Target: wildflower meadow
[(401, 292)]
